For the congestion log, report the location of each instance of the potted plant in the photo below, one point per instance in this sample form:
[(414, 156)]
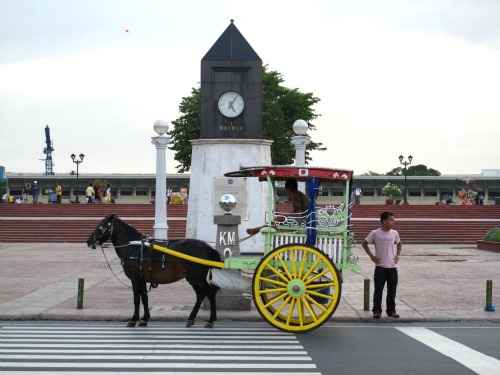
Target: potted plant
[(491, 241), (391, 191)]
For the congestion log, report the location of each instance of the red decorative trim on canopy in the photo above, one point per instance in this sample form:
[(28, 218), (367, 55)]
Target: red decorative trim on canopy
[(298, 173)]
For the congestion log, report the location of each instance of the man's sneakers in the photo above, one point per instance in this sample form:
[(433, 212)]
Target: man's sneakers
[(376, 316)]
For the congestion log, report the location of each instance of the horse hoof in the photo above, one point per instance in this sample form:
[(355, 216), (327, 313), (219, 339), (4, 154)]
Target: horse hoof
[(189, 323), (209, 325), (131, 323), (143, 323)]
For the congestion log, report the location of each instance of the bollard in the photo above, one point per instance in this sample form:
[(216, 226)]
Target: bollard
[(79, 298), (366, 295), (489, 297)]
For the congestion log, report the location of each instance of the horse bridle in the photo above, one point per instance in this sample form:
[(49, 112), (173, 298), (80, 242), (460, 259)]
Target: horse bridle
[(110, 228), (103, 232)]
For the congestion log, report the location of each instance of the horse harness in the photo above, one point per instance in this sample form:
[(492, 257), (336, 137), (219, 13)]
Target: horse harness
[(132, 257)]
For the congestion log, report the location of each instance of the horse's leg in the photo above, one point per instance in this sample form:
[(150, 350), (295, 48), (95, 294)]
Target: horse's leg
[(137, 303), (212, 291), (199, 299), (144, 297)]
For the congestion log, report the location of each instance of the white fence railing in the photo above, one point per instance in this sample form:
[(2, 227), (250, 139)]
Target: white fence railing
[(332, 246)]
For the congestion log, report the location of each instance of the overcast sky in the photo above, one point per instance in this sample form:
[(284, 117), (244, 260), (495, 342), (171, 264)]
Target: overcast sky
[(419, 77)]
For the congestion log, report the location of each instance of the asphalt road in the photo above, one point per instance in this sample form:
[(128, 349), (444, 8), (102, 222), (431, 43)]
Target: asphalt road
[(248, 348)]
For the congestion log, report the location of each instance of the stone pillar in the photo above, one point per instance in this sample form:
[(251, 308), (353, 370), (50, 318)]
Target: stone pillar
[(161, 142), (227, 244), (227, 240), (300, 142)]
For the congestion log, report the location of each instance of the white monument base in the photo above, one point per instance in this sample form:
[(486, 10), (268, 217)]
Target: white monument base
[(211, 158)]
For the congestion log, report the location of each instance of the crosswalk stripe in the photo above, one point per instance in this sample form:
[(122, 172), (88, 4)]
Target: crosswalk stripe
[(153, 326), (134, 336), (85, 351), (127, 357), (158, 346), (156, 365), (38, 371), (137, 332), (152, 341), (478, 362)]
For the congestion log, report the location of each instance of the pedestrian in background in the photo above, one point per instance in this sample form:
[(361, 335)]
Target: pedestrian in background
[(35, 191), (357, 195), (58, 190), (107, 194), (90, 193), (26, 192), (387, 251)]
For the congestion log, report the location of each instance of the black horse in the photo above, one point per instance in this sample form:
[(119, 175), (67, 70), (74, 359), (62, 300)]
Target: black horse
[(142, 265)]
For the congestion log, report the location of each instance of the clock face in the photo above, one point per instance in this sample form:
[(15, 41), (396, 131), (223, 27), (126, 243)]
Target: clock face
[(231, 104)]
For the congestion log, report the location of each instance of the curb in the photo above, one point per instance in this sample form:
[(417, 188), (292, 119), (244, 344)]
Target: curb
[(250, 317)]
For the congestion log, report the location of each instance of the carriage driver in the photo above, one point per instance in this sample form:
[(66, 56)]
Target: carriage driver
[(296, 204)]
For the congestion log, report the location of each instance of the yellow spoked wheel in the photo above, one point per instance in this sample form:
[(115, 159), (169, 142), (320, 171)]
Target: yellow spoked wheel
[(296, 288)]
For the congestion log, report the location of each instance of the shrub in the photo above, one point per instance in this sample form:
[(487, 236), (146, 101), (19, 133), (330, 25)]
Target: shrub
[(391, 190), (493, 235)]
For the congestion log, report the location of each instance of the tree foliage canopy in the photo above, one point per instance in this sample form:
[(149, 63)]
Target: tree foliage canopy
[(282, 106), (414, 170)]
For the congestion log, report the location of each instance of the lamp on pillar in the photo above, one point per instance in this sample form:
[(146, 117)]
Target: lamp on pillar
[(161, 142), (300, 141)]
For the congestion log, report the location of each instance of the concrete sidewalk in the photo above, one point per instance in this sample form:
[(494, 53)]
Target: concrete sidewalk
[(39, 281)]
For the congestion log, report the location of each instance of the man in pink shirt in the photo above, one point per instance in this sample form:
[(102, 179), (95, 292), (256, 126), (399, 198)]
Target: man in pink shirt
[(387, 252)]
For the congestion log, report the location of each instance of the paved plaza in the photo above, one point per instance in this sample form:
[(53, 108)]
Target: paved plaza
[(39, 281)]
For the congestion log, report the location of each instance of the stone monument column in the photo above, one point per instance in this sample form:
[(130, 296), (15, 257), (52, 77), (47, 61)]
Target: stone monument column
[(231, 137)]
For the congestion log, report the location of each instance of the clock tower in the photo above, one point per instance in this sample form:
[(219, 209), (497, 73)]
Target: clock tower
[(230, 138), (231, 88)]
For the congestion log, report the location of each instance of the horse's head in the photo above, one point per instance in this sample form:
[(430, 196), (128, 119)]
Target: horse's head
[(102, 232)]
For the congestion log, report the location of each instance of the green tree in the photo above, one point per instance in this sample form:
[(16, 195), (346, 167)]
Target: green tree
[(186, 127), (282, 106), (3, 187), (371, 173), (414, 170)]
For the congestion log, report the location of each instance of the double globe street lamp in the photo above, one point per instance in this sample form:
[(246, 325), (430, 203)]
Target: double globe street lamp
[(405, 164), (77, 162)]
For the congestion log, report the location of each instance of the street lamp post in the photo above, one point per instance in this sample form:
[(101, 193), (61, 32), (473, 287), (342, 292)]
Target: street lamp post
[(405, 164), (300, 141), (161, 142), (77, 162)]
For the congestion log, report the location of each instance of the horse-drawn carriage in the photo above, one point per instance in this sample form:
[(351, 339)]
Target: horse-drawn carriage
[(297, 281)]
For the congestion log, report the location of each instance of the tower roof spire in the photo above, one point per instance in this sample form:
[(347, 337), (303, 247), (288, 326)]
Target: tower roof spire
[(231, 46)]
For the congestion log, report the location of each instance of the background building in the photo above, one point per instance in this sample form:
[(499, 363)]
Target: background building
[(140, 188)]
